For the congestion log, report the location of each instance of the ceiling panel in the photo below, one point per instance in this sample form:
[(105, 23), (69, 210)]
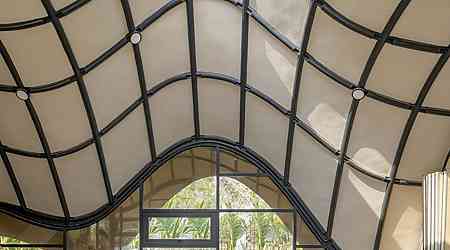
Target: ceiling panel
[(101, 30), (107, 84), (217, 119), (218, 31), (313, 170), (360, 200), (165, 54), (271, 65), (88, 192), (269, 141)]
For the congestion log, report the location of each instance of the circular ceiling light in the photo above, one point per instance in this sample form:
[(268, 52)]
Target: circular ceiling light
[(358, 94), (135, 38), (22, 94)]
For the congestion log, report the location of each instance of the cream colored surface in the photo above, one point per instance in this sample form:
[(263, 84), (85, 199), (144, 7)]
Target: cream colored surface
[(323, 105), (16, 126), (172, 114), (62, 110), (7, 193), (37, 54), (374, 139), (271, 65), (5, 76), (313, 171), (438, 95), (425, 22), (82, 181), (401, 73), (268, 141), (37, 185), (108, 28), (427, 147), (142, 9), (339, 48), (373, 14), (358, 210), (218, 37), (403, 225), (126, 149), (13, 11), (219, 108), (107, 85), (164, 46), (288, 16)]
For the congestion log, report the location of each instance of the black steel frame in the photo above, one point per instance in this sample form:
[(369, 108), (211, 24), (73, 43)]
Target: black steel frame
[(23, 212), (212, 213)]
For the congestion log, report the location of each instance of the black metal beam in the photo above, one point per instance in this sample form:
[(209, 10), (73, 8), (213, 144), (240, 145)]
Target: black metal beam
[(66, 10), (243, 70), (403, 141), (39, 129), (296, 91), (83, 91), (193, 64), (13, 178), (402, 5), (141, 76)]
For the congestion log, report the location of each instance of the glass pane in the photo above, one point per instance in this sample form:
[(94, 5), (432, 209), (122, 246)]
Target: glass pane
[(190, 174), (171, 248), (182, 228), (250, 192), (304, 235), (231, 163), (119, 230), (15, 231), (256, 231)]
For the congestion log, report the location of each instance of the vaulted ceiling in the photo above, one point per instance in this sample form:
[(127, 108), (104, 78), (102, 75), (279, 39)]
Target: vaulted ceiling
[(346, 101)]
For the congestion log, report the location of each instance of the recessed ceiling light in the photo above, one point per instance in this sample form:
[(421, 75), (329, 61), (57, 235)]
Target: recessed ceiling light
[(135, 38), (358, 94), (22, 94)]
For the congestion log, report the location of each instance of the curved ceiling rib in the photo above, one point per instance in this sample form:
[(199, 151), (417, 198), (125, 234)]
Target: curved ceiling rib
[(282, 174)]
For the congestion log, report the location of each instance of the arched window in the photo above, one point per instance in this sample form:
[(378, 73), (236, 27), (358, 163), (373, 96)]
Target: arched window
[(203, 198)]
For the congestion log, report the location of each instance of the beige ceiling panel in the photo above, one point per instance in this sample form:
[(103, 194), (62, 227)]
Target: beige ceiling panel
[(113, 86), (394, 75), (100, 29), (7, 193), (374, 139), (63, 117), (427, 147), (438, 95), (372, 14), (324, 105), (126, 149), (16, 127), (288, 17), (5, 76), (266, 131), (82, 181), (425, 22), (37, 54), (218, 37), (360, 201), (219, 108), (172, 114), (339, 48), (312, 174), (143, 9), (271, 65), (21, 10), (403, 225), (165, 54), (38, 187)]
